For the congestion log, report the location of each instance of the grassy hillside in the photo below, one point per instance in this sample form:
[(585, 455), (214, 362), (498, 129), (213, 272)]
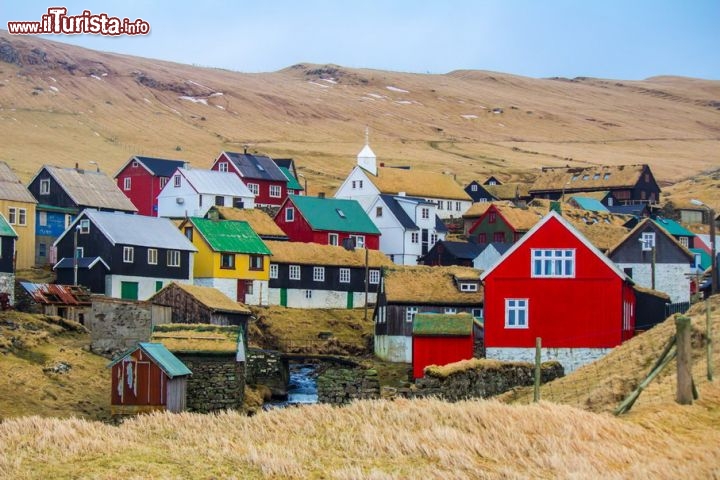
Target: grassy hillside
[(63, 104)]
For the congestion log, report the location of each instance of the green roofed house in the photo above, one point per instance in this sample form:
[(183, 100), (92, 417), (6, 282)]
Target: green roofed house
[(685, 237), (148, 377), (440, 339), (231, 257), (327, 221)]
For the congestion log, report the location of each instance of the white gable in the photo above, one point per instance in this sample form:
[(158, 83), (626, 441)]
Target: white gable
[(367, 160)]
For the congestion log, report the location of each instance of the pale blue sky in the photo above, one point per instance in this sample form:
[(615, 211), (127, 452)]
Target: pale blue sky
[(618, 39)]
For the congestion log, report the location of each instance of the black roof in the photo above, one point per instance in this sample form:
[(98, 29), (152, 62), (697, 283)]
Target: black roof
[(462, 250), (636, 210), (284, 162), (440, 225), (161, 167), (256, 166), (83, 262)]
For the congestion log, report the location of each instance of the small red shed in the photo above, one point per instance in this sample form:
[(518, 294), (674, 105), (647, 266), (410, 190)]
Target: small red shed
[(439, 339), (147, 378)]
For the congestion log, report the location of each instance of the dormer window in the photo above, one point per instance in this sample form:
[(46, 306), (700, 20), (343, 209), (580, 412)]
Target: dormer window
[(575, 177), (473, 187), (586, 176), (425, 213), (340, 213), (468, 287), (45, 186), (606, 176)]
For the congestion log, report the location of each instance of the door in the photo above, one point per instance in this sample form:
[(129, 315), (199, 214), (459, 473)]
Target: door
[(129, 290), (283, 297), (241, 290), (349, 299), (425, 237)]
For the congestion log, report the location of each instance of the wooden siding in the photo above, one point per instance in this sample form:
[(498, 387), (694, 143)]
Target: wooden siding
[(666, 250), (176, 400), (439, 351), (57, 197), (395, 321), (25, 244), (7, 250), (332, 279), (93, 279), (137, 380), (187, 309), (144, 188)]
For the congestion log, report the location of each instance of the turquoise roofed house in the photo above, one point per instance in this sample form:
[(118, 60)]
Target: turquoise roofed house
[(327, 221), (589, 204), (292, 183), (685, 237)]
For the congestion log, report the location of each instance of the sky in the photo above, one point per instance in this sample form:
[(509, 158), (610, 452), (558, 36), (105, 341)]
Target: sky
[(614, 39)]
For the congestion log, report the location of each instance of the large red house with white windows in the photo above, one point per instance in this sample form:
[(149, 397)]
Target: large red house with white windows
[(555, 285), (259, 173), (142, 178)]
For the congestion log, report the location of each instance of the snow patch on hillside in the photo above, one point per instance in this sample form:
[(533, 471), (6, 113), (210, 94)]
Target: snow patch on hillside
[(318, 84), (396, 89), (194, 99), (469, 117), (375, 95), (54, 89)]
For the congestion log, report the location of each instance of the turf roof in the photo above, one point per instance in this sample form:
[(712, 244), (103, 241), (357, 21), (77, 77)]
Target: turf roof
[(436, 324), (230, 236)]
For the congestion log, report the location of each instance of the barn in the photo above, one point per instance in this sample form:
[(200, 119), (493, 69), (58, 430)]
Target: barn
[(196, 304), (148, 378), (439, 339)]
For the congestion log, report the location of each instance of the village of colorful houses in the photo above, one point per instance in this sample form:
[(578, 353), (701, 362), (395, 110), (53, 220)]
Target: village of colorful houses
[(582, 258)]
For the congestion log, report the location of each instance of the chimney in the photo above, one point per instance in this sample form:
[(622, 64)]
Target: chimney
[(382, 164), (245, 147), (321, 194), (401, 194)]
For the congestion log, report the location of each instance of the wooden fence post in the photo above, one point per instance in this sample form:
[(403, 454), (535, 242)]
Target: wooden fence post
[(708, 344), (538, 369), (684, 394)]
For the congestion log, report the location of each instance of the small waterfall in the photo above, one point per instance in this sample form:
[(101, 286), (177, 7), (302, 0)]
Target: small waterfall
[(302, 387)]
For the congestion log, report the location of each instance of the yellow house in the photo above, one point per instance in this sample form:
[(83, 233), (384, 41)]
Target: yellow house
[(18, 206), (231, 257)]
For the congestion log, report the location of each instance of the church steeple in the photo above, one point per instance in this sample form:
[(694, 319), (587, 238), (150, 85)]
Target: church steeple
[(366, 159)]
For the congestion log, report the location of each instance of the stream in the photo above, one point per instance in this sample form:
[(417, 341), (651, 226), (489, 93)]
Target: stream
[(302, 387)]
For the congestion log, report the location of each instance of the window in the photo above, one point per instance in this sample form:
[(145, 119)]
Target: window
[(85, 226), (173, 258), (684, 241), (374, 277), (22, 216), (575, 177), (482, 238), (492, 182), (425, 213), (477, 312), (458, 206), (273, 270), (414, 237), (42, 219), (606, 176), (222, 167), (449, 205), (17, 216), (189, 233), (596, 176), (450, 310), (643, 195), (340, 213), (256, 262), (410, 313), (586, 176), (127, 183), (254, 188), (249, 287), (359, 240), (45, 186), (378, 211), (492, 217), (468, 287), (219, 200), (473, 187), (516, 313), (177, 182), (647, 241), (134, 164), (152, 256), (227, 261), (275, 191), (79, 252), (433, 238), (318, 274), (289, 214), (128, 254), (553, 263), (499, 237), (294, 272), (200, 197), (353, 184), (360, 183), (333, 239), (441, 205), (628, 271), (647, 178), (344, 275), (163, 181), (308, 293)]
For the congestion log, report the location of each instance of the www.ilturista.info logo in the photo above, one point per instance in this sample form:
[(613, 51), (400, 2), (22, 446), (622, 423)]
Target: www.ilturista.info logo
[(57, 21)]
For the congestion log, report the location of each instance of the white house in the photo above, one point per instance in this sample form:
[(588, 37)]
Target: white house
[(191, 193), (367, 180), (490, 255), (409, 226)]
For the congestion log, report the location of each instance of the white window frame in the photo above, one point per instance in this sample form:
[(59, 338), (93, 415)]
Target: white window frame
[(473, 187), (425, 212), (333, 239), (512, 305), (318, 274), (275, 191), (173, 258), (85, 226), (410, 313), (294, 272), (647, 239), (450, 310), (414, 237), (344, 275), (12, 215), (289, 214), (22, 216), (374, 277), (684, 241), (273, 270), (458, 206), (42, 219), (127, 183), (223, 167), (17, 216), (152, 256), (45, 186), (468, 287), (553, 262), (359, 240), (163, 182), (177, 181), (128, 255), (254, 188)]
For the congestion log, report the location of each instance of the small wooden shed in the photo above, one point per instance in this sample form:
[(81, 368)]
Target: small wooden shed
[(197, 304), (439, 339), (147, 378)]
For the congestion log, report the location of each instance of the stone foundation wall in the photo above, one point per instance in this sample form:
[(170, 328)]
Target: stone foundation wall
[(117, 325), (265, 367), (339, 386), (217, 382)]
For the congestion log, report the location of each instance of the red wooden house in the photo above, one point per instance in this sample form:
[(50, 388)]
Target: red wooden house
[(142, 178), (440, 339), (259, 173), (327, 221), (554, 284), (499, 223), (147, 378)]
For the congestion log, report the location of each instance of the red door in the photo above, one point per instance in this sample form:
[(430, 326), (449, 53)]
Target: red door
[(241, 290)]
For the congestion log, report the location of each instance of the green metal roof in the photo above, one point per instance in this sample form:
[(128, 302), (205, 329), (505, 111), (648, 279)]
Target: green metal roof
[(292, 183), (6, 230), (673, 227), (53, 208), (437, 324), (334, 214), (231, 236), (705, 258), (590, 204), (169, 363)]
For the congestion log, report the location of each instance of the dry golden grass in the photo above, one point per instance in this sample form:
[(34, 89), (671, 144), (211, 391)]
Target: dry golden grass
[(178, 337), (369, 439)]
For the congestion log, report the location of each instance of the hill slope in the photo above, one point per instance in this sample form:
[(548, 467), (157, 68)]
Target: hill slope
[(63, 104)]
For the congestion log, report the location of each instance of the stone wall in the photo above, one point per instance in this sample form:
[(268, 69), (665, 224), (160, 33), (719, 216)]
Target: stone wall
[(117, 325), (217, 382), (570, 358), (266, 367), (342, 385), (484, 380)]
